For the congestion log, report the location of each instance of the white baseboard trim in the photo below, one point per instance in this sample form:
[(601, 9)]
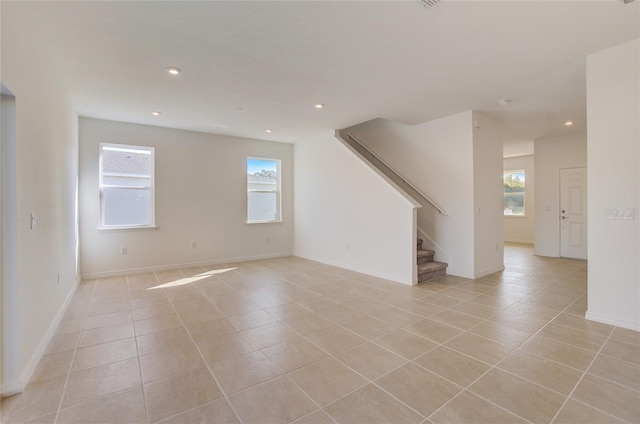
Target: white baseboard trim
[(124, 271), (489, 271), (395, 278), (519, 241), (13, 387), (612, 321)]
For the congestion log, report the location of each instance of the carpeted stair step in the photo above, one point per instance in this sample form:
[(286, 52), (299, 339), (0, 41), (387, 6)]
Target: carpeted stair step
[(430, 270), (425, 256)]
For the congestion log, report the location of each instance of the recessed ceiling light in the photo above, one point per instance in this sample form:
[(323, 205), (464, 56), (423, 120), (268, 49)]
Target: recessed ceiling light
[(319, 105), (504, 102), (568, 124), (268, 130), (156, 113), (174, 70)]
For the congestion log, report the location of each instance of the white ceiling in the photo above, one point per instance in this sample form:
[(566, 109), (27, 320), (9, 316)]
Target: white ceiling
[(276, 60)]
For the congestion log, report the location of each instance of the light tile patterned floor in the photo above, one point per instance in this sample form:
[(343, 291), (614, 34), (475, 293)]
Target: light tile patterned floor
[(289, 340)]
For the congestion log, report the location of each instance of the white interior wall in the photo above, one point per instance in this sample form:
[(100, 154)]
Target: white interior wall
[(437, 158), (613, 93), (200, 197), (349, 216), (520, 229), (46, 174), (488, 195), (552, 154)]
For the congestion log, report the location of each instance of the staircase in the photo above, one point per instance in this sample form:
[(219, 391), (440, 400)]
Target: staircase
[(428, 269)]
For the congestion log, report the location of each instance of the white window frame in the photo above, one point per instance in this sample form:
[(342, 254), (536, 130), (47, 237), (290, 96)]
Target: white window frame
[(277, 191), (524, 194), (150, 187)]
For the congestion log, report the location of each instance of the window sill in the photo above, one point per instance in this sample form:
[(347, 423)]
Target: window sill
[(145, 228), (515, 216), (263, 222)]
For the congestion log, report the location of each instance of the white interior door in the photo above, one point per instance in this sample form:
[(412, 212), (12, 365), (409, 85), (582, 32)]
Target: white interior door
[(573, 213)]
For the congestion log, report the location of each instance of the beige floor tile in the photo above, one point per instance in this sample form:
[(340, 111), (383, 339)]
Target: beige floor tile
[(370, 360), (36, 400), (370, 328), (609, 397), (335, 339), (422, 390), (479, 348), (199, 313), (615, 370), (63, 343), (45, 419), (397, 317), (179, 393), (307, 323), (621, 350), (270, 335), (287, 311), (433, 330), (454, 366), (559, 352), (90, 384), (578, 338), (68, 326), (293, 354), (420, 307), (528, 400), (244, 371), (109, 307), (457, 319), (252, 320), (225, 347), (106, 353), (108, 319), (371, 405), (126, 406), (151, 312), (469, 408), (210, 329), (442, 299), (579, 323), (340, 314), (475, 309), (405, 344), (153, 325), (545, 372), (275, 401), (327, 380), (163, 340), (52, 366), (626, 336), (502, 334), (316, 417), (218, 412), (106, 334), (576, 412), (163, 364)]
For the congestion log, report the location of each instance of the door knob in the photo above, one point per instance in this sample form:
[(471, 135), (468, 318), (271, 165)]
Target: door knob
[(563, 217)]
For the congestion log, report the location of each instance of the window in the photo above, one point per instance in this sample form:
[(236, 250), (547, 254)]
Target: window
[(263, 190), (514, 193), (126, 186)]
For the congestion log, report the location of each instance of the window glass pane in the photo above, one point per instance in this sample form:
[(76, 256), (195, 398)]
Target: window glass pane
[(123, 181), (118, 160), (262, 206), (124, 206), (263, 190), (514, 192)]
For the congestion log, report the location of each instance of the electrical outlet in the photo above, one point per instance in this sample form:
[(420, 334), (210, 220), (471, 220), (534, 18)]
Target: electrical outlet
[(194, 245), (58, 278), (123, 250)]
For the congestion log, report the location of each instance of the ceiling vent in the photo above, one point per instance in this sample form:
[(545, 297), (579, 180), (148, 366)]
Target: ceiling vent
[(620, 2), (430, 3)]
